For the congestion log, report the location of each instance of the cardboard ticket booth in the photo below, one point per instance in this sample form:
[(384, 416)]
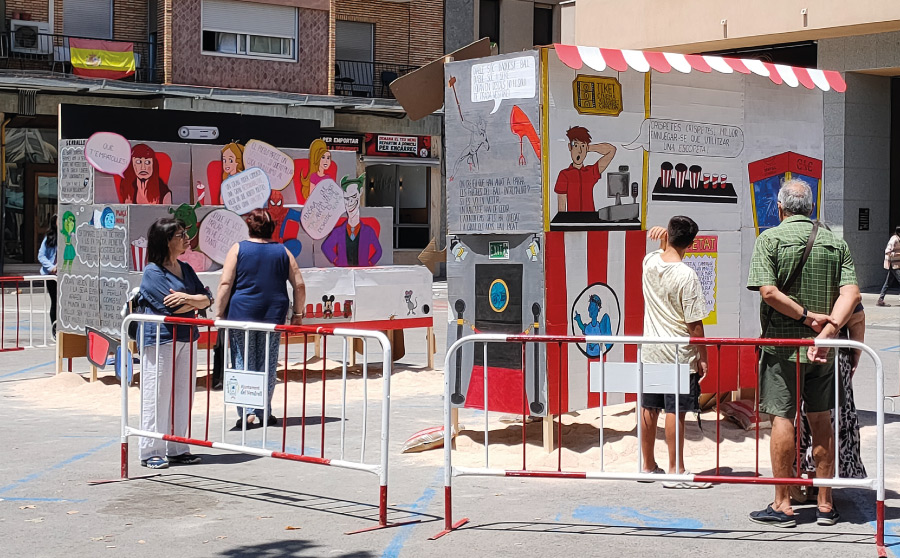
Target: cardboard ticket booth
[(208, 170), (560, 159)]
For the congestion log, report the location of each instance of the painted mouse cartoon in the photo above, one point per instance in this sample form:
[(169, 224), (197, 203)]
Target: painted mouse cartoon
[(410, 305), (328, 310)]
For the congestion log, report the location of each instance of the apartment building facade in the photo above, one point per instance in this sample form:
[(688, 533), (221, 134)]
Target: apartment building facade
[(329, 60)]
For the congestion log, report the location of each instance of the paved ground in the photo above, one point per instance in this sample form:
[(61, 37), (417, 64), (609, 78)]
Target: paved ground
[(235, 505)]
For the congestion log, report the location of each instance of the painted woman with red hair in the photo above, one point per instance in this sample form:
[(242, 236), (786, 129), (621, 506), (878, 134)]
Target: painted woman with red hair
[(142, 182)]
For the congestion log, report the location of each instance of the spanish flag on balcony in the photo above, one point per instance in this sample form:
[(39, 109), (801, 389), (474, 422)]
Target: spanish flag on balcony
[(101, 59)]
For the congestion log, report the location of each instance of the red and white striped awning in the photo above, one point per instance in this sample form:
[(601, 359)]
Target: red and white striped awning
[(600, 59)]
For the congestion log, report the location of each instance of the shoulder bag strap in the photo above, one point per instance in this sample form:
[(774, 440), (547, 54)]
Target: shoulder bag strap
[(794, 274)]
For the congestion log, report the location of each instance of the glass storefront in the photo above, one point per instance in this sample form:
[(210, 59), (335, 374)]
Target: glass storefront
[(406, 188), (30, 192)]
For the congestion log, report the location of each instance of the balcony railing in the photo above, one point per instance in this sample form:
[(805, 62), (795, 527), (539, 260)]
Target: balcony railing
[(50, 52), (367, 79)]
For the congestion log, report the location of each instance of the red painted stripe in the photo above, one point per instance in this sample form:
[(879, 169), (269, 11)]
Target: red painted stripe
[(752, 480), (101, 74), (658, 62), (698, 63), (190, 441), (597, 243), (303, 458), (99, 44), (557, 318), (773, 73), (835, 80), (804, 77), (568, 55), (633, 307), (188, 321), (614, 59), (737, 65), (12, 278), (548, 474), (379, 325)]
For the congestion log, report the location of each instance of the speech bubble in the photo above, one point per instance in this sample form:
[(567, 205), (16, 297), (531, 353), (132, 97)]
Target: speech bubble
[(322, 209), (113, 247), (246, 191), (79, 301), (513, 78), (279, 168), (219, 231), (76, 176), (113, 296), (684, 137), (108, 152), (87, 244)]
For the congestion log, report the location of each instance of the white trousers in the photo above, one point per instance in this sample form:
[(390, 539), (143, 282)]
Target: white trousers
[(157, 371)]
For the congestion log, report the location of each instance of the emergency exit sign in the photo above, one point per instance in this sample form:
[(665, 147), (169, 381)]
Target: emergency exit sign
[(499, 250)]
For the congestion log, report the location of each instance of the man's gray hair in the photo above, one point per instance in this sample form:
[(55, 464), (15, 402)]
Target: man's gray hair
[(795, 197)]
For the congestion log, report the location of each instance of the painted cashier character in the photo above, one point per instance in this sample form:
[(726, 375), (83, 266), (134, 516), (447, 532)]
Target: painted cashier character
[(352, 243), (594, 327), (575, 183)]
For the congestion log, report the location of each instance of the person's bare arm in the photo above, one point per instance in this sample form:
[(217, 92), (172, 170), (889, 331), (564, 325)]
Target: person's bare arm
[(607, 151), (695, 329), (840, 314), (296, 280), (661, 234), (783, 304), (229, 270), (856, 325)]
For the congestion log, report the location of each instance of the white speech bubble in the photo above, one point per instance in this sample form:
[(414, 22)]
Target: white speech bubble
[(322, 209), (246, 191), (279, 168), (219, 231), (79, 301), (87, 244), (108, 152), (76, 176), (684, 137), (513, 78), (113, 247)]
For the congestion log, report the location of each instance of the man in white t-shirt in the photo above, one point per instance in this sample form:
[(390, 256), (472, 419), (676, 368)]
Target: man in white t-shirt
[(674, 306)]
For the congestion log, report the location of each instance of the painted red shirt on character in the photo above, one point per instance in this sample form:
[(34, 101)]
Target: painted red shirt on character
[(578, 185)]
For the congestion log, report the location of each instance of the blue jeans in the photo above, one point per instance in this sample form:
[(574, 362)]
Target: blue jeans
[(893, 276), (256, 360)]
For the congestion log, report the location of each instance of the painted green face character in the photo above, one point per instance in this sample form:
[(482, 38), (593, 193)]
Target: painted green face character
[(186, 214)]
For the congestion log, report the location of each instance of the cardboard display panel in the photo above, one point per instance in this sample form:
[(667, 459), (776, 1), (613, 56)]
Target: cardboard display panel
[(493, 145), (159, 173)]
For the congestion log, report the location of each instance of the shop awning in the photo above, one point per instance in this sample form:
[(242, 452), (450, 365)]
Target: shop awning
[(599, 59)]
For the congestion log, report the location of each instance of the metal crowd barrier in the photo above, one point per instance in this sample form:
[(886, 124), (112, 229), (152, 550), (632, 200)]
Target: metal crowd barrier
[(23, 319), (676, 382), (337, 455)]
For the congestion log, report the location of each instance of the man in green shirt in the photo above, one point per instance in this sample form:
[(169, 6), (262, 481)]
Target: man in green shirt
[(821, 300)]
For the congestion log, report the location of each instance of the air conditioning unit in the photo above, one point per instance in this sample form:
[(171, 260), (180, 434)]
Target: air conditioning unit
[(30, 37)]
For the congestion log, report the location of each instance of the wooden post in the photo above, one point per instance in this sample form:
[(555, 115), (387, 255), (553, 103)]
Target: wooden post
[(71, 345), (430, 347), (548, 433)]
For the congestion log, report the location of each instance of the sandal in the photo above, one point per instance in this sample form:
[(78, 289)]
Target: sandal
[(656, 471), (769, 516), (155, 462)]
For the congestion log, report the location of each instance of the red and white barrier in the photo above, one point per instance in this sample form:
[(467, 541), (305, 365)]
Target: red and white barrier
[(664, 379), (332, 454), (31, 322)]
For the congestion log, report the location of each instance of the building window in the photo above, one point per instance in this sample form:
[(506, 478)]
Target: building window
[(543, 24), (489, 20), (88, 18), (235, 28), (354, 53)]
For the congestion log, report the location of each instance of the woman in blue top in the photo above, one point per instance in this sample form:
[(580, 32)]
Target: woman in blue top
[(254, 289), (168, 288), (47, 257)]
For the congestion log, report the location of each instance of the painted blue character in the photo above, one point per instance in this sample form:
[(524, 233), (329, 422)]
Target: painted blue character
[(593, 327), (107, 218)]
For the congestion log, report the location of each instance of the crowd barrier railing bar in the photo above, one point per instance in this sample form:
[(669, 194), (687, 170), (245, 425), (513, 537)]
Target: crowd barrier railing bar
[(677, 383), (34, 317), (334, 455)]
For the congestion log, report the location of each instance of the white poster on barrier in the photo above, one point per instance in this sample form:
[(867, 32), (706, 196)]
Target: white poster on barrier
[(247, 389)]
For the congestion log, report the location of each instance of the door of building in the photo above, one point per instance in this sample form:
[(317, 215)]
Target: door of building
[(40, 204)]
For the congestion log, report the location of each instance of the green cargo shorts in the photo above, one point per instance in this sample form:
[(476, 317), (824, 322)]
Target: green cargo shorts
[(778, 386)]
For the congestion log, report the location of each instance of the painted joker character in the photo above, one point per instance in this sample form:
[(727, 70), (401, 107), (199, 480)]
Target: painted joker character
[(352, 243)]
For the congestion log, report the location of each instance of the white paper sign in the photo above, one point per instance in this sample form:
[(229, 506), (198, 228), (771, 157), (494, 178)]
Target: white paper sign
[(323, 209), (247, 389), (279, 168), (219, 231), (246, 191), (512, 78), (76, 176)]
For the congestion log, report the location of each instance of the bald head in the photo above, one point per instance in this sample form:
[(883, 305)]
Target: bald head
[(795, 198)]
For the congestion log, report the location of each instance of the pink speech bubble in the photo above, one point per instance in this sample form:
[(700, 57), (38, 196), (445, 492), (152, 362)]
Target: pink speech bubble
[(108, 152)]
